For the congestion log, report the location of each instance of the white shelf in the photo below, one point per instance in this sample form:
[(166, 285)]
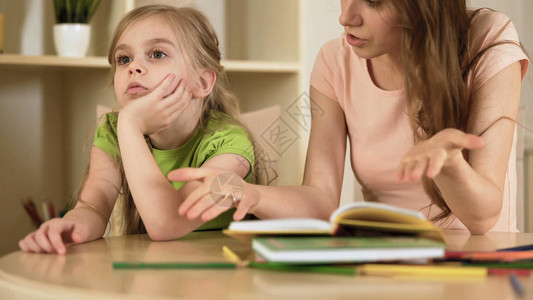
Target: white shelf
[(101, 63), (260, 66), (52, 61)]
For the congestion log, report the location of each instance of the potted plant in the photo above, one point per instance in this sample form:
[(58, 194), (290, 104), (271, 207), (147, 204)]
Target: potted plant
[(72, 31)]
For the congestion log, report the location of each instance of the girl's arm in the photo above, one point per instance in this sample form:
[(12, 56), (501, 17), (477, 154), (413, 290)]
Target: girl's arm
[(324, 168), (473, 189), (83, 223), (100, 191), (155, 198)]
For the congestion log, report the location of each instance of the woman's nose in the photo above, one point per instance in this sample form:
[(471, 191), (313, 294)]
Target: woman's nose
[(350, 15)]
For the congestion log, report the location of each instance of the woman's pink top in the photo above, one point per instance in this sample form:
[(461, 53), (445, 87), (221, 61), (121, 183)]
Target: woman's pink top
[(378, 126)]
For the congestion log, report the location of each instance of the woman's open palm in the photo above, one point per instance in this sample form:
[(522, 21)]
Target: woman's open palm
[(430, 156)]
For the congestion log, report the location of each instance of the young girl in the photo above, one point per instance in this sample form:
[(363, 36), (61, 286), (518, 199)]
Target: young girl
[(176, 112), (427, 92)]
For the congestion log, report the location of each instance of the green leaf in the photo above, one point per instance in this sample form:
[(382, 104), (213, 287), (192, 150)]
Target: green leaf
[(75, 11), (68, 11), (94, 6)]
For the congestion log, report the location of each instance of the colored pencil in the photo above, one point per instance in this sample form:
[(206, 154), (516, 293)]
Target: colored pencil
[(497, 265), (339, 270), (46, 212), (29, 206), (231, 255), (515, 283), (173, 265), (517, 248), (506, 271), (51, 210), (421, 270), (489, 256)]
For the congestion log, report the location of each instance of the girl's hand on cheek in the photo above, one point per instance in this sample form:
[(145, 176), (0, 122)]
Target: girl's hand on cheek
[(430, 156), (156, 110)]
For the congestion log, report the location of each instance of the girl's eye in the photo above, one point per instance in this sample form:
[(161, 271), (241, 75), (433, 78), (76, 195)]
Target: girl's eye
[(122, 60), (372, 3), (158, 54)]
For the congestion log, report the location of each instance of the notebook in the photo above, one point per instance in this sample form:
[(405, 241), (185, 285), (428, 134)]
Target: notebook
[(327, 250)]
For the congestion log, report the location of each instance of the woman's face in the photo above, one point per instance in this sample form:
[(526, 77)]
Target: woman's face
[(145, 54), (371, 26)]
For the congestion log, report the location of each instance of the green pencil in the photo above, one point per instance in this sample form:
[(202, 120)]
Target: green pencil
[(503, 265), (172, 265), (305, 268)]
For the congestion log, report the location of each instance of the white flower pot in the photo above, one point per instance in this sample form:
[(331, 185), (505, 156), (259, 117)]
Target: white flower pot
[(72, 39)]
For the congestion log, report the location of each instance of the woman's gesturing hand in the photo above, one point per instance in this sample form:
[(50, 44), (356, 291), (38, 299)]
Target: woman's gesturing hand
[(430, 156), (208, 201), (156, 110), (53, 236)]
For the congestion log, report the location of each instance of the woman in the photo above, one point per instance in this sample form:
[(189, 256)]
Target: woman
[(427, 92)]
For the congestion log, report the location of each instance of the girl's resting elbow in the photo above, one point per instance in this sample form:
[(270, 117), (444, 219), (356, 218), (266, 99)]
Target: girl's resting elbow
[(163, 234), (157, 236)]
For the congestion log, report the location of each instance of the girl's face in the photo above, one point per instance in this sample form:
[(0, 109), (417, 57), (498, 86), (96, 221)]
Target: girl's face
[(371, 26), (145, 54)]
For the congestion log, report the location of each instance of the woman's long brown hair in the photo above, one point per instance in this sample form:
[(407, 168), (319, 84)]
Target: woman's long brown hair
[(436, 64)]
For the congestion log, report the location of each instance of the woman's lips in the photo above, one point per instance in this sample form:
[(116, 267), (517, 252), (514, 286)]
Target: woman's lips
[(354, 41)]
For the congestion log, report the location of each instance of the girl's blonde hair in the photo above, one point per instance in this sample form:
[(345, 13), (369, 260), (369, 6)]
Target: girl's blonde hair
[(199, 44)]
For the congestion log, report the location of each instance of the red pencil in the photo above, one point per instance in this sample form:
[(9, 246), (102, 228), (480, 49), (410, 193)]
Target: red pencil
[(30, 209), (51, 210), (502, 271), (489, 255)]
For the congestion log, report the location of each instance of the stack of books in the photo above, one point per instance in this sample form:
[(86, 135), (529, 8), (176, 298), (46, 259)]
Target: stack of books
[(356, 233), (372, 239), (328, 250)]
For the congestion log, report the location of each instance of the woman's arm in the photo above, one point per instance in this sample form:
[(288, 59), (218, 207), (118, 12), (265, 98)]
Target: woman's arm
[(473, 189), (324, 168)]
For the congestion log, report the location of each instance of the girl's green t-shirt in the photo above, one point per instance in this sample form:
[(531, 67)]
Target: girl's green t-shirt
[(218, 137)]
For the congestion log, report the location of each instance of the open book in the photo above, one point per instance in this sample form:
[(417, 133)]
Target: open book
[(353, 219)]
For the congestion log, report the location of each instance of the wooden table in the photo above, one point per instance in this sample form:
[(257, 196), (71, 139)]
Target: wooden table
[(86, 273)]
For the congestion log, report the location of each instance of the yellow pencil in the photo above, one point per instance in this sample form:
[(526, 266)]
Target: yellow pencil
[(231, 255), (421, 270)]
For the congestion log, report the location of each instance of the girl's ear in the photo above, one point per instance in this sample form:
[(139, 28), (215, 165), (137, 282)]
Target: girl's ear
[(206, 81)]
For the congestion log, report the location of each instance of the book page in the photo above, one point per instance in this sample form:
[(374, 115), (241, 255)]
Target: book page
[(294, 224), (377, 207)]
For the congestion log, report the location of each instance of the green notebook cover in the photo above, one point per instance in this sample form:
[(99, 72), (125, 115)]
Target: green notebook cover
[(345, 249)]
